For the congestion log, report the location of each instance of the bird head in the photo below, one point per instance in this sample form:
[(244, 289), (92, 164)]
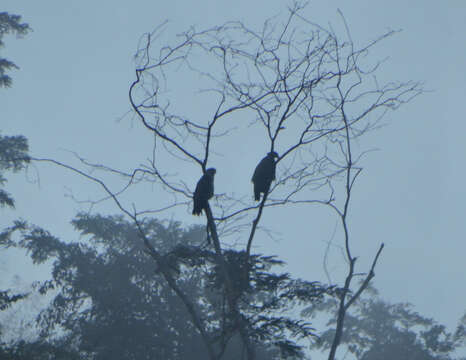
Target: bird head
[(210, 171), (273, 154)]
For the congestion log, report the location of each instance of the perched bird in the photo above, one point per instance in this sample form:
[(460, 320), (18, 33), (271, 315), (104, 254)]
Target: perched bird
[(264, 175), (204, 191)]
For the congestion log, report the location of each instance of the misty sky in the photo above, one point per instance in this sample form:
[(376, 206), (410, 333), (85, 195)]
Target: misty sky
[(71, 94)]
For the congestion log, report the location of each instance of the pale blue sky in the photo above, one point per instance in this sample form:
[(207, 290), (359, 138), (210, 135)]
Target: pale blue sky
[(71, 93)]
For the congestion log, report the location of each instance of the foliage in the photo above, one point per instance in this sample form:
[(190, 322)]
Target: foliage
[(6, 299), (13, 149), (9, 24), (378, 330), (111, 301), (38, 351), (13, 157)]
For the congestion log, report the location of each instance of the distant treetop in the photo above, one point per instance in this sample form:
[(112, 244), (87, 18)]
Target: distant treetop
[(9, 24)]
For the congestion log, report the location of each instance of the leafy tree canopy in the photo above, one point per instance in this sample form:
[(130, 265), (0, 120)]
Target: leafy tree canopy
[(13, 157), (13, 149), (9, 24), (111, 301), (38, 350), (377, 330)]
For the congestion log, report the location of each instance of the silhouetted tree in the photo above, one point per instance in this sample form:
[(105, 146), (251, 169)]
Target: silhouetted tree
[(9, 24), (111, 301), (306, 92), (378, 330), (13, 149), (38, 350), (13, 157)]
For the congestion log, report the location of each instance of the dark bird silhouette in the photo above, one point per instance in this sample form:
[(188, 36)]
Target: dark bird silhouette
[(264, 175), (204, 191)]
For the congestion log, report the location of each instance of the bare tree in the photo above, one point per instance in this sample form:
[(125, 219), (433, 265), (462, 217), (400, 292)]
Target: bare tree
[(305, 91)]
